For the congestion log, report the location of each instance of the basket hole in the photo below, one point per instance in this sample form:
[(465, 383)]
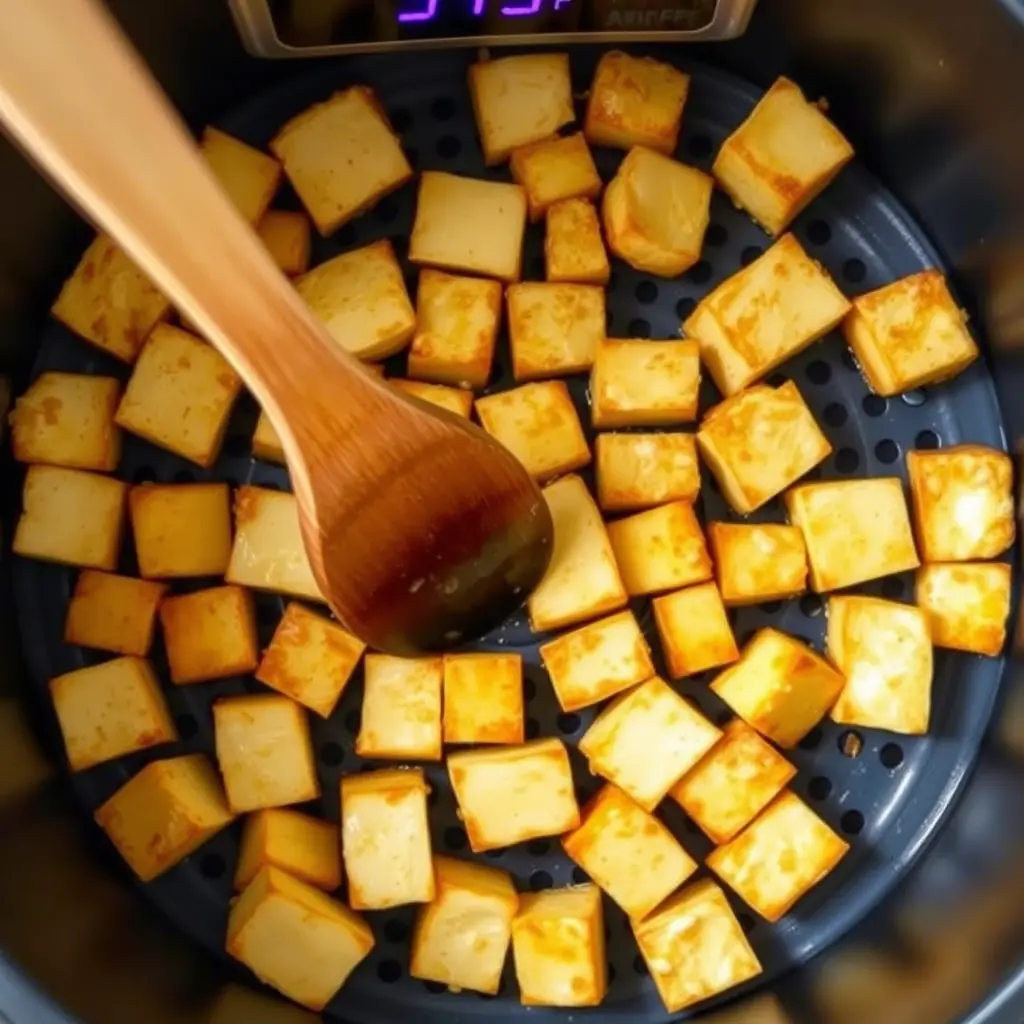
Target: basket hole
[(819, 372), (852, 822), (776, 380), (892, 588), (835, 414), (771, 607), (435, 988), (396, 931), (819, 233), (639, 328), (443, 108), (746, 922), (448, 147), (699, 147), (568, 724), (854, 271), (212, 865), (539, 847), (348, 235), (353, 722), (700, 272), (812, 740), (887, 451), (847, 460), (874, 405), (851, 743), (389, 972), (579, 876), (532, 728), (386, 210), (401, 120), (455, 837), (540, 880), (187, 727), (646, 292), (237, 446), (723, 717), (915, 398), (891, 755), (927, 440), (184, 476), (819, 788), (684, 307), (640, 966), (267, 614), (749, 254), (529, 689), (331, 754), (144, 475), (811, 605), (716, 235)]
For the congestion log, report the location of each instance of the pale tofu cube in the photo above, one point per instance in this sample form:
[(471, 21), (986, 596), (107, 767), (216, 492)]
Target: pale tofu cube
[(855, 530), (779, 858), (967, 604), (615, 836), (757, 562), (266, 444), (759, 442), (554, 170), (113, 613), (782, 156), (310, 659), (509, 795), (636, 471), (694, 947), (539, 425), (780, 687), (573, 247), (248, 177), (582, 580), (285, 233), (645, 740), (483, 698), (518, 100), (401, 708), (469, 225), (462, 936), (306, 847), (67, 419), (909, 333), (694, 630), (735, 782), (660, 549), (454, 400), (385, 838), (164, 813), (764, 314)]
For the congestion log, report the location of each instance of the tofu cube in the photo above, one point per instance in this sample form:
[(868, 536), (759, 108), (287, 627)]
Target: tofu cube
[(635, 101), (963, 502), (779, 858), (248, 177), (537, 797), (660, 549), (70, 517), (469, 225), (759, 442), (855, 530), (306, 847), (295, 938), (483, 698), (539, 425), (553, 170), (164, 813), (361, 300), (454, 400), (385, 838), (559, 947), (110, 710), (966, 604), (210, 634), (109, 302), (909, 334), (582, 580), (310, 659), (67, 419), (615, 836), (737, 780), (401, 708), (636, 471), (598, 661), (694, 630), (694, 947), (462, 936), (782, 156), (573, 246), (518, 100), (764, 314), (780, 687), (286, 236), (456, 329), (758, 561), (266, 444), (113, 613)]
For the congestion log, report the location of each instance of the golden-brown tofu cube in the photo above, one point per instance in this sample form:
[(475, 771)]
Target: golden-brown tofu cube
[(554, 170), (645, 740), (164, 813), (636, 471), (385, 838), (573, 246), (759, 442), (304, 846), (966, 604), (758, 561), (113, 613), (694, 630), (266, 444), (483, 698), (537, 795), (401, 708), (285, 233), (779, 858), (780, 687), (855, 530), (248, 177), (764, 314), (454, 400), (909, 333), (341, 156), (963, 502)]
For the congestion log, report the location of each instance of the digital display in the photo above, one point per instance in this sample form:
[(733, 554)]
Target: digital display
[(416, 18)]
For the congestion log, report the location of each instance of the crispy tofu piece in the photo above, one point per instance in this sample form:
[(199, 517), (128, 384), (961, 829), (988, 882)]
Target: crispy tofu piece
[(462, 936), (573, 246), (341, 156), (109, 302), (456, 329), (454, 400), (295, 938), (310, 659), (469, 225), (385, 838), (248, 177), (694, 947), (401, 708), (164, 813), (67, 419), (285, 233), (734, 782), (758, 561), (582, 580), (518, 100), (615, 836), (759, 442), (855, 530), (660, 549), (554, 170), (780, 687), (210, 634), (909, 333), (635, 101), (782, 156), (539, 425), (764, 314), (361, 300), (71, 517), (266, 444), (779, 858), (306, 847), (483, 698), (113, 613), (966, 604), (535, 784), (636, 471), (694, 630), (597, 661)]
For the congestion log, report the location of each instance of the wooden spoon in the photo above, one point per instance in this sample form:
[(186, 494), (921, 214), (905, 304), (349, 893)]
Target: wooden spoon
[(421, 530)]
